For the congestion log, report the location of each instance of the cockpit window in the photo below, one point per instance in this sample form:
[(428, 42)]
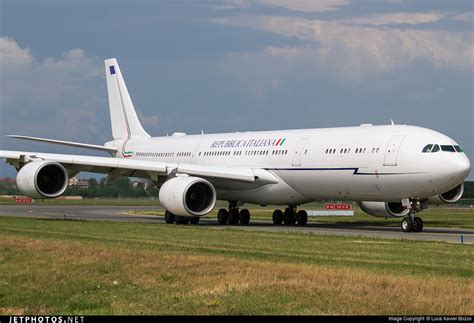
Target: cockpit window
[(432, 148), (448, 148), (427, 148)]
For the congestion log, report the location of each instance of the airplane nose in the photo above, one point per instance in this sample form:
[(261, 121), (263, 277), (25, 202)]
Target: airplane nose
[(463, 167)]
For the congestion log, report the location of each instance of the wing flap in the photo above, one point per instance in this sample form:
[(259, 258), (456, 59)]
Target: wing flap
[(232, 173)]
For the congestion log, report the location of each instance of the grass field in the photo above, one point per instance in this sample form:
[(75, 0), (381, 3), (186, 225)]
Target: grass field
[(78, 267)]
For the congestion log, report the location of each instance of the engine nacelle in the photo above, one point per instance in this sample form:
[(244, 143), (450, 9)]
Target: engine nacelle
[(451, 196), (384, 209), (188, 196), (42, 179)]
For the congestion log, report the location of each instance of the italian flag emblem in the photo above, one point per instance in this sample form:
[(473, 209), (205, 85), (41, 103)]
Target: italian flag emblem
[(280, 141)]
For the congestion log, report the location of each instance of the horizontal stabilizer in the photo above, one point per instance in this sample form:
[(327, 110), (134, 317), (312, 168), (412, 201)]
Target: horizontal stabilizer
[(110, 150)]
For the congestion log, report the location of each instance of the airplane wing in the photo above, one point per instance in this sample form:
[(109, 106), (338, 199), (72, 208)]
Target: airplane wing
[(141, 168), (110, 150)]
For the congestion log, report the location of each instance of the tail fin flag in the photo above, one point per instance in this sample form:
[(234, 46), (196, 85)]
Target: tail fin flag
[(125, 123)]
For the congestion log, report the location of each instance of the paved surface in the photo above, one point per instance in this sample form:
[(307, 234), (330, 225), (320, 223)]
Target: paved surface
[(119, 213)]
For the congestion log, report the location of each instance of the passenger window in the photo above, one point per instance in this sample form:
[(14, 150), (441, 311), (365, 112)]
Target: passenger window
[(435, 149)]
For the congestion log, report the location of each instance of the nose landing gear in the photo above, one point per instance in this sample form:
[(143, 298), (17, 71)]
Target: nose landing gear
[(411, 223)]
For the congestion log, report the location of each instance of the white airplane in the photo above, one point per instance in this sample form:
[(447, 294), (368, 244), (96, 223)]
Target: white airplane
[(390, 170)]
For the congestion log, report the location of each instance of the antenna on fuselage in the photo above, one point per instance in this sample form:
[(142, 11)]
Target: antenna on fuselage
[(393, 123)]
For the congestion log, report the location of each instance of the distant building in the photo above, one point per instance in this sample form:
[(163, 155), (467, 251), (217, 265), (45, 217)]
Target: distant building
[(136, 184), (7, 180), (82, 183)]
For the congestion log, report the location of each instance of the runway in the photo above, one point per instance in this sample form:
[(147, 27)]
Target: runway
[(119, 213)]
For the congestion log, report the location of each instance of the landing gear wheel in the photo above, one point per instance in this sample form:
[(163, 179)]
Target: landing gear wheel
[(277, 217), (244, 216), (302, 217), (407, 225), (418, 225), (289, 216), (194, 220), (182, 219), (222, 216), (411, 223), (234, 216), (169, 217)]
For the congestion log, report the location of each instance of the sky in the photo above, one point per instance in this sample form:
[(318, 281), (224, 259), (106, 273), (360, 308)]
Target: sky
[(237, 65)]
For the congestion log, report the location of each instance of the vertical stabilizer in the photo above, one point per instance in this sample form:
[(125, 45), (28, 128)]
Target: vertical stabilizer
[(125, 123)]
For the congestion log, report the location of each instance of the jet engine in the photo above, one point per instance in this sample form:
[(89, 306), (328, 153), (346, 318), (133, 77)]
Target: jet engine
[(384, 209), (187, 196), (42, 179), (451, 196)]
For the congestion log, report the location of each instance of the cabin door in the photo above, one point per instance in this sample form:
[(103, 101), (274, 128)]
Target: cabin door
[(299, 152), (391, 153)]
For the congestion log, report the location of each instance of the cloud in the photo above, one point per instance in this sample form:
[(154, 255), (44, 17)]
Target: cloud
[(294, 5), (12, 56), (411, 18), (307, 5), (58, 97), (234, 4), (355, 52), (465, 17)]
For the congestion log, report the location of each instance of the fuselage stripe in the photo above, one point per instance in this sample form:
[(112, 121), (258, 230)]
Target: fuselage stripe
[(354, 169)]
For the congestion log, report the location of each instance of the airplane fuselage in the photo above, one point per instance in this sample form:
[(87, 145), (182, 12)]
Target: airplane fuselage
[(365, 163)]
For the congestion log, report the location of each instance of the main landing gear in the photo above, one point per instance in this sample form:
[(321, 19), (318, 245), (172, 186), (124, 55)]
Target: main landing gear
[(233, 215), (170, 218), (412, 223), (290, 216)]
